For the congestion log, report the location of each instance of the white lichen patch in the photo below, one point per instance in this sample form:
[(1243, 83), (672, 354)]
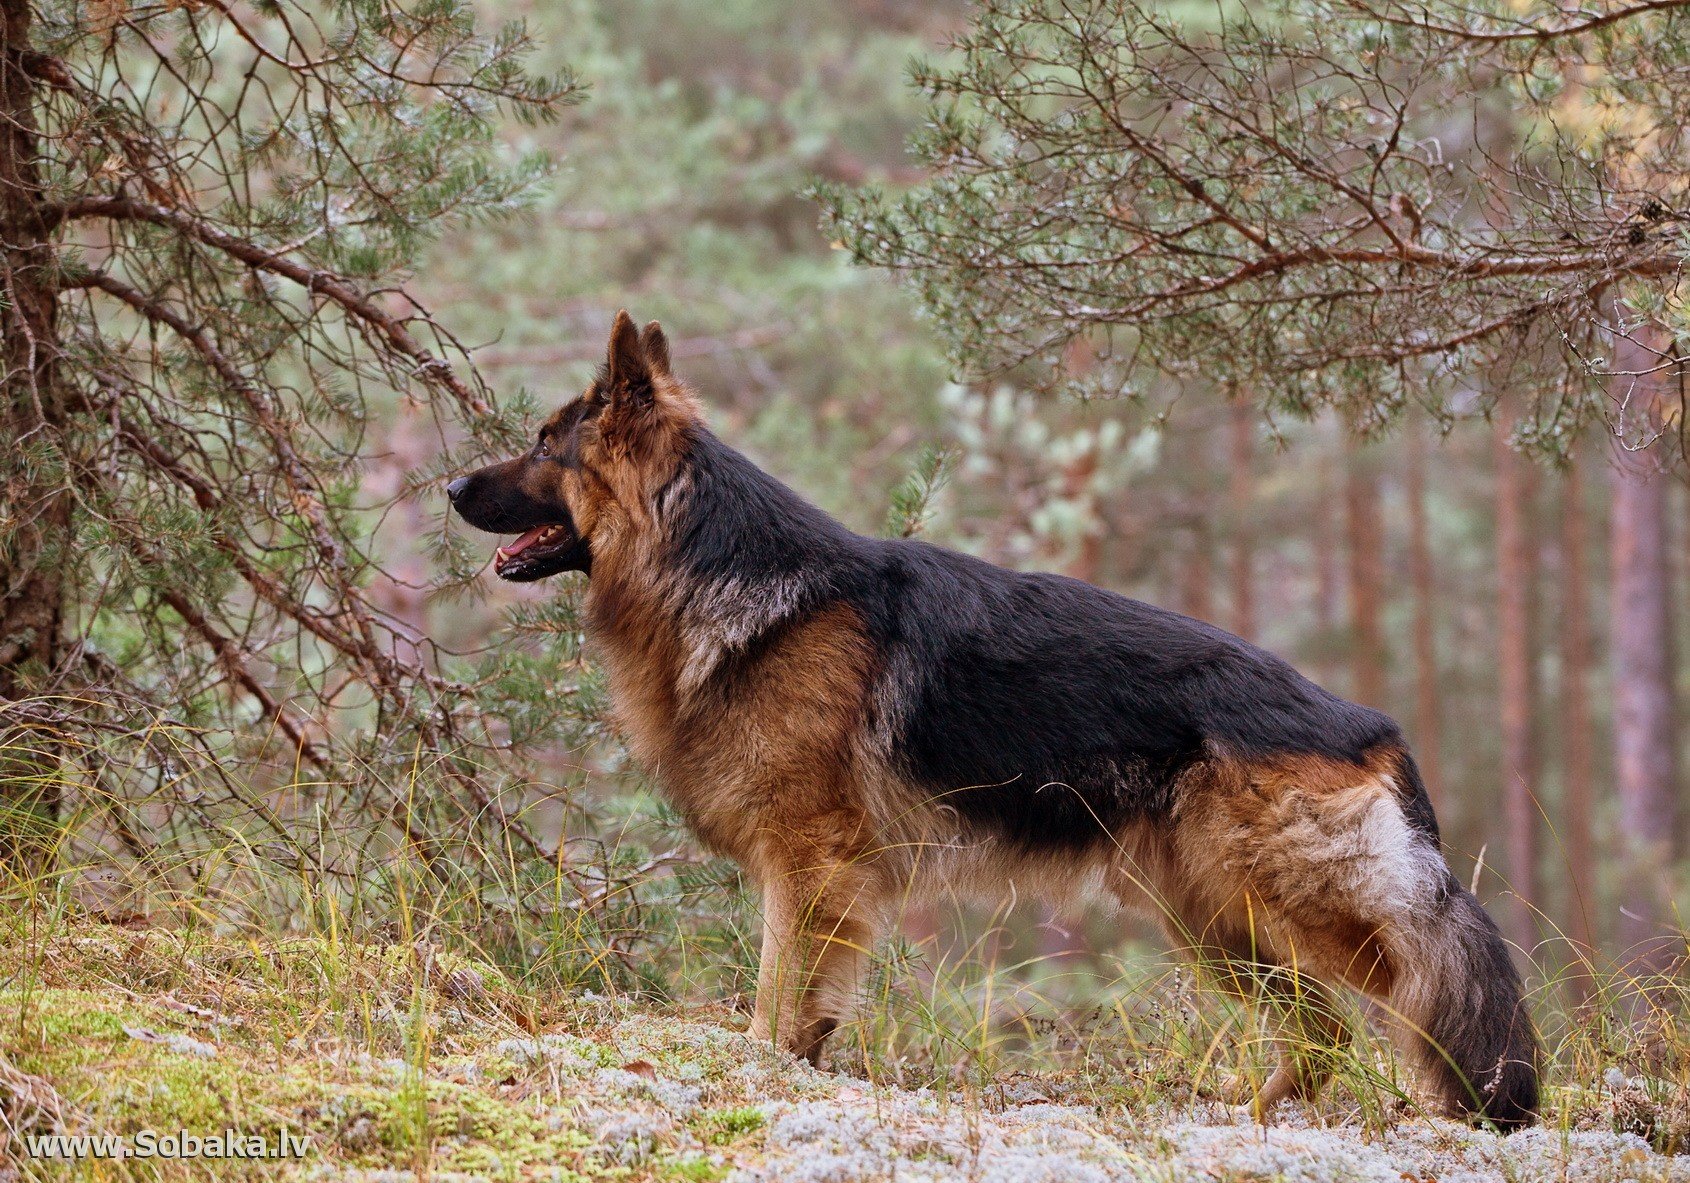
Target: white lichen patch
[(187, 1045), (566, 1053), (894, 1135), (628, 1139), (1438, 1150), (927, 1140)]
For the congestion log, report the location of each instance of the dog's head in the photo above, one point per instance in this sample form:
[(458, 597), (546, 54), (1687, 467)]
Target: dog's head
[(588, 484)]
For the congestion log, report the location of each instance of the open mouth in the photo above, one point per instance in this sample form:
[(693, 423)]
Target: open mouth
[(529, 553)]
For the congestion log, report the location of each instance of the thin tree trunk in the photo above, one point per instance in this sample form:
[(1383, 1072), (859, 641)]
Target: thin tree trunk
[(1077, 478), (1197, 590), (1678, 597), (1516, 577), (1242, 432), (1197, 597), (1428, 726), (1578, 735), (1058, 936), (33, 505), (1365, 534), (1328, 558), (1641, 645), (1328, 515)]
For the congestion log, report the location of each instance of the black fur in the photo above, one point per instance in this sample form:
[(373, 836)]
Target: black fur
[(1481, 1048), (1045, 710), (1048, 712)]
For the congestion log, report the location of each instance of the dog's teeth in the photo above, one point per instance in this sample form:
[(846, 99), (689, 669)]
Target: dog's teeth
[(502, 553)]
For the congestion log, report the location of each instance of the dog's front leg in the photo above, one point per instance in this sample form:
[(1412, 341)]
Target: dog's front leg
[(821, 917)]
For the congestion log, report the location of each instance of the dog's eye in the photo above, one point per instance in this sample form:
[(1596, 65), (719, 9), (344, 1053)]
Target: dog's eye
[(545, 448)]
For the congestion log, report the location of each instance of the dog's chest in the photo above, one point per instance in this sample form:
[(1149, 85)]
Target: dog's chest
[(763, 745)]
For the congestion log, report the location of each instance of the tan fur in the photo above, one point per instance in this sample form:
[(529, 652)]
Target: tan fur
[(1313, 856), (764, 769), (1287, 877), (626, 459)]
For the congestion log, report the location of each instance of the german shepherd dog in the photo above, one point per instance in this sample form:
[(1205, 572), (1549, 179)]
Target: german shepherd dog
[(851, 717)]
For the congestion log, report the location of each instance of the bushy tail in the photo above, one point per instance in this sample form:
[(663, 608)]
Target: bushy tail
[(1460, 1002)]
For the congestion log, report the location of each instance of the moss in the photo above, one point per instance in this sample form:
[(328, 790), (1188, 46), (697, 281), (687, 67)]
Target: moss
[(692, 1168), (723, 1127), (519, 1158), (357, 1108)]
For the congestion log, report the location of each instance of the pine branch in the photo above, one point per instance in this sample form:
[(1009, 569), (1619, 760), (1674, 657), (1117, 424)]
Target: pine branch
[(315, 280), (230, 657), (913, 499), (1538, 34)]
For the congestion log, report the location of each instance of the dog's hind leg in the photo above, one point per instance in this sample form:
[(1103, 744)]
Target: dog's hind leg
[(1347, 880), (1311, 1030), (1313, 1034)]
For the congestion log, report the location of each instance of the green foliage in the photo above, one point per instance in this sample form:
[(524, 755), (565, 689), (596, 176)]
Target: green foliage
[(679, 198), (239, 199), (1281, 197), (912, 501)]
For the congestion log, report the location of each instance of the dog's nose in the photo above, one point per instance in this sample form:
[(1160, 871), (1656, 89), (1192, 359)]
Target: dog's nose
[(455, 489)]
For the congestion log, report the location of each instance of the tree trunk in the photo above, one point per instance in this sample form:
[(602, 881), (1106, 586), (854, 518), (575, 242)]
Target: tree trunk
[(1641, 644), (1428, 729), (1578, 738), (1058, 936), (1326, 543), (1197, 593), (34, 508), (1678, 598), (1242, 432), (1516, 578), (1365, 532), (1077, 476)]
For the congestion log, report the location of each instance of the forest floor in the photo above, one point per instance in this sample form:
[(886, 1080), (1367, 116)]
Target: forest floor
[(398, 1062)]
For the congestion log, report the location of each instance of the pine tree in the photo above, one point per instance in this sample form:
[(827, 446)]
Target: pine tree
[(209, 215), (1270, 194)]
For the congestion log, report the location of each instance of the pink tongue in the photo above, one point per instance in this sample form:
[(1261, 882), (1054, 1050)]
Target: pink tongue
[(526, 541)]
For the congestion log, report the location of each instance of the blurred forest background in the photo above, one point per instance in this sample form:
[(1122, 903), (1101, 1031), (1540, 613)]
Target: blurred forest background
[(214, 744), (1377, 565)]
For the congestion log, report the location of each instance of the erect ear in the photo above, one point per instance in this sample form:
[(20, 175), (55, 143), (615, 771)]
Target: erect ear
[(656, 347), (626, 366)]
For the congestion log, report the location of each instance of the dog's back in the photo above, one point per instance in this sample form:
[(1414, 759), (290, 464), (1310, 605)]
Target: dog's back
[(1007, 682)]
